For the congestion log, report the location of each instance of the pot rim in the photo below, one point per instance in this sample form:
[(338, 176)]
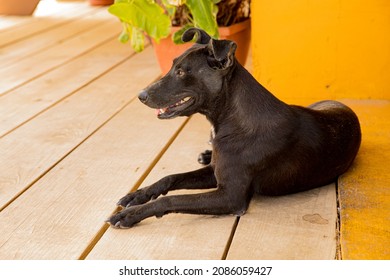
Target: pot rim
[(225, 30)]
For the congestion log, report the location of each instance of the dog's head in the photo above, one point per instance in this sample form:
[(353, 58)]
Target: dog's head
[(195, 79)]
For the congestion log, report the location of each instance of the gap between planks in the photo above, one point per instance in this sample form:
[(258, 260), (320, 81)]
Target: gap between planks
[(231, 237), (338, 255)]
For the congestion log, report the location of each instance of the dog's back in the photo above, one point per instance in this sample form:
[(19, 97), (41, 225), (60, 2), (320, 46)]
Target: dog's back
[(327, 140)]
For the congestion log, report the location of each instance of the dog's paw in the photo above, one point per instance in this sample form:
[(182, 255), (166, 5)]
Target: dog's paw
[(123, 219), (135, 198), (205, 157)]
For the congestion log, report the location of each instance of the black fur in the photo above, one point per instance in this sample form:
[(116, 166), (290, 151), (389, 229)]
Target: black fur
[(260, 145)]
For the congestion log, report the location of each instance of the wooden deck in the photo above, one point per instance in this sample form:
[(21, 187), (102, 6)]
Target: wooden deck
[(74, 139)]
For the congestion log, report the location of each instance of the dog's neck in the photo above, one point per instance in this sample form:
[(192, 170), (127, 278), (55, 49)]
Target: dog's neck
[(241, 94)]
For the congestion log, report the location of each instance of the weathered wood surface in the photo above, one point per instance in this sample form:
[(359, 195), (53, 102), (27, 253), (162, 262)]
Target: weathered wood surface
[(74, 139), (298, 226), (365, 189), (47, 16)]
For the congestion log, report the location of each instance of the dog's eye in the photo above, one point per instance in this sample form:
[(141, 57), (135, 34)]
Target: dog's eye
[(180, 72)]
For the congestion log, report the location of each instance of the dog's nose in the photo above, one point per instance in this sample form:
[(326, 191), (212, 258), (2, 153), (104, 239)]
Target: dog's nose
[(143, 96)]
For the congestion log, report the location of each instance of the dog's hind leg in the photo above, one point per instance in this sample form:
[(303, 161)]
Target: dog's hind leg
[(199, 179)]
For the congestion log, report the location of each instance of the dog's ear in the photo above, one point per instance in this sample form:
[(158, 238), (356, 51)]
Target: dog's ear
[(221, 53), (188, 35)]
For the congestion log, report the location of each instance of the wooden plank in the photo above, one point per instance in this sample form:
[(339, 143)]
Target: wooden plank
[(35, 65), (44, 40), (364, 191), (58, 8), (25, 102), (32, 149), (7, 22), (44, 19), (298, 226), (63, 212), (44, 9), (175, 236)]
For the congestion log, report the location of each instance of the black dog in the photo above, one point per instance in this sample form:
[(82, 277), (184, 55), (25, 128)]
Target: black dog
[(261, 144)]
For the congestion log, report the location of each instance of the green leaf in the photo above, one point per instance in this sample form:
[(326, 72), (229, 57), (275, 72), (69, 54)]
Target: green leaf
[(144, 15), (169, 8), (136, 37), (124, 36), (137, 40), (204, 15)]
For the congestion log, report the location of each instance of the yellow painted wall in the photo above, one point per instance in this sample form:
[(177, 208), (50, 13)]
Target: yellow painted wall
[(322, 49)]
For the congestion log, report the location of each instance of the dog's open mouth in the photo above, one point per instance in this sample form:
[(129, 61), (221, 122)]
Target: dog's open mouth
[(174, 109)]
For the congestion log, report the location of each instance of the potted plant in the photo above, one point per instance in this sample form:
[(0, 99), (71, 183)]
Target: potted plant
[(164, 21), (100, 2), (18, 7)]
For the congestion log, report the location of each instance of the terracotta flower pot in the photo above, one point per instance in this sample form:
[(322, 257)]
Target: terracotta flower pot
[(18, 7), (240, 33), (101, 2)]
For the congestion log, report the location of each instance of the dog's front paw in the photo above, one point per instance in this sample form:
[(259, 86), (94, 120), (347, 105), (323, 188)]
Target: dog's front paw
[(205, 157), (124, 219), (135, 198)]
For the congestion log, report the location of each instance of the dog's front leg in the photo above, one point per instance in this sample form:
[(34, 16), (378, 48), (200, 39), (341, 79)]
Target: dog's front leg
[(199, 179), (212, 203)]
